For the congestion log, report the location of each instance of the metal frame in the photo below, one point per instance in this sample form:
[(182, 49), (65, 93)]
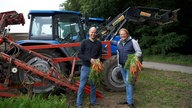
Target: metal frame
[(58, 79)]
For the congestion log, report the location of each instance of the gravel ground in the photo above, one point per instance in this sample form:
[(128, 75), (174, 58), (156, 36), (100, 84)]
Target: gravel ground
[(168, 67)]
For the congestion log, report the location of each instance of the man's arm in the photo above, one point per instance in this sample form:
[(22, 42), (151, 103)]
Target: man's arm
[(137, 48)]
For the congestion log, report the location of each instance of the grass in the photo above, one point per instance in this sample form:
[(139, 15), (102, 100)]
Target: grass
[(171, 58), (37, 101), (163, 89)]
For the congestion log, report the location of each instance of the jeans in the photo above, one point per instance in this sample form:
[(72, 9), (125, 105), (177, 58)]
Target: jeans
[(83, 80), (129, 86)]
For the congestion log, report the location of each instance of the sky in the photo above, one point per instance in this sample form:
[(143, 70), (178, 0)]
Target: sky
[(23, 6)]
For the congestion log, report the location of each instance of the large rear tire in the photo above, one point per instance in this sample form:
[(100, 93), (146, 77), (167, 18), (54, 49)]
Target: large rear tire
[(43, 66), (112, 78)]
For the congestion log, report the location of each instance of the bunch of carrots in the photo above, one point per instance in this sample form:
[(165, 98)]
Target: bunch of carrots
[(134, 66), (96, 69)]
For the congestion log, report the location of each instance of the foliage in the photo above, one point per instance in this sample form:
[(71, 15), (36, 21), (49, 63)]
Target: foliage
[(134, 66), (172, 58), (92, 7), (95, 73), (73, 5), (157, 40), (37, 101), (162, 4)]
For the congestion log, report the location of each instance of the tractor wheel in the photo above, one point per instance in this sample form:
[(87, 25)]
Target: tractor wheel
[(112, 78), (42, 65)]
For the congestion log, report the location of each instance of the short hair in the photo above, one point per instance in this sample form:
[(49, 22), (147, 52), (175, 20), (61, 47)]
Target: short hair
[(124, 29)]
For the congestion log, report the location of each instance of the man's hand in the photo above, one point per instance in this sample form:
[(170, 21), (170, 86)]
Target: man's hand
[(92, 61)]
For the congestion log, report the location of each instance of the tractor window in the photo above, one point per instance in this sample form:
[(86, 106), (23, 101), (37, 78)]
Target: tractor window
[(92, 22), (41, 26), (69, 28)]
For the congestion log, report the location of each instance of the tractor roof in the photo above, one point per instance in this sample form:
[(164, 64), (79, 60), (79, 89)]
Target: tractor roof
[(53, 12), (94, 19)]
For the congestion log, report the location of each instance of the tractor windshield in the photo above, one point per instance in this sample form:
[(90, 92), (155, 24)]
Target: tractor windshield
[(69, 28), (41, 26), (60, 26)]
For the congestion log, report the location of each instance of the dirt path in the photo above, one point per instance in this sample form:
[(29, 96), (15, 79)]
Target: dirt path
[(109, 100)]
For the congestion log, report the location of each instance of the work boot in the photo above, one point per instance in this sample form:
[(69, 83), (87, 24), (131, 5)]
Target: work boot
[(122, 102), (79, 107), (95, 104), (131, 105)]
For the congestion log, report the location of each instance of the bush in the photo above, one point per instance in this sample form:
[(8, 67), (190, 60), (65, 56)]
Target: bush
[(158, 40)]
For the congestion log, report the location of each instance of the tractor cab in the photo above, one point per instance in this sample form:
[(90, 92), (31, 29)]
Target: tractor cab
[(61, 25)]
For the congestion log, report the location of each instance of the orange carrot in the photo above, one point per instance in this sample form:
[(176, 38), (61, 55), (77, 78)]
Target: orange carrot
[(134, 66)]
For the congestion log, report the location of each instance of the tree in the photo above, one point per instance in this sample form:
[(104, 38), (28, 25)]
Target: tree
[(71, 5)]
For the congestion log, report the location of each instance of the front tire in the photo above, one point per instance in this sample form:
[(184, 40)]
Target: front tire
[(112, 78)]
